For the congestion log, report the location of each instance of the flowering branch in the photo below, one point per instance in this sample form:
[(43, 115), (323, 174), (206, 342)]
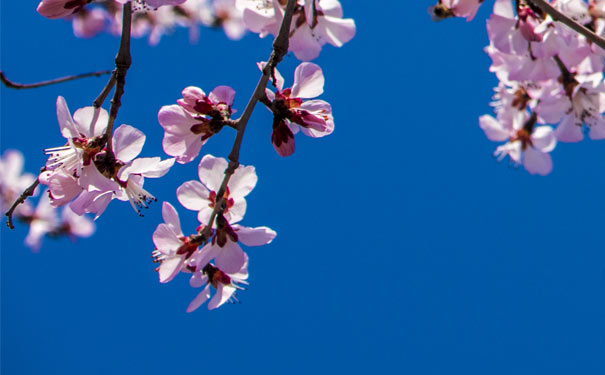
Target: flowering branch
[(123, 61), (26, 194), (280, 48), (20, 86), (558, 16)]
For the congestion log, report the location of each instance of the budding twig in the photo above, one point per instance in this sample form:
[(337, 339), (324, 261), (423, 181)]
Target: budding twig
[(558, 16), (280, 48), (26, 194), (20, 86), (123, 61)]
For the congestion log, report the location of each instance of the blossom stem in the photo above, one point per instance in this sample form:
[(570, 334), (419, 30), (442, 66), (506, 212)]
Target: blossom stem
[(558, 16), (20, 86), (123, 61), (26, 194), (280, 48)]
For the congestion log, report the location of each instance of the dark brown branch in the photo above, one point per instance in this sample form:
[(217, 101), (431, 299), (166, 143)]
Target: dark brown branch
[(26, 194), (558, 16), (20, 86), (123, 61), (280, 48)]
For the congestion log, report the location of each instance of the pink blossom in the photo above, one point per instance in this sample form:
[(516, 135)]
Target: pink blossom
[(227, 15), (173, 248), (43, 220), (526, 144), (13, 181), (314, 23), (225, 249), (291, 114), (225, 284), (202, 197), (121, 178), (188, 125)]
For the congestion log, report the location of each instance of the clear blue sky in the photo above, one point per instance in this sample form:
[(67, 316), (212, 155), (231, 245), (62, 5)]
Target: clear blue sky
[(402, 247)]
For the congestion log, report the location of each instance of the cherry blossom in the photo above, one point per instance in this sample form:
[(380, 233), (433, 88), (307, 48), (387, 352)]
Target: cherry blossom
[(42, 221), (201, 197), (120, 175), (526, 144), (84, 134), (315, 23), (227, 15), (225, 284), (188, 125), (173, 248), (225, 249), (13, 181), (291, 114)]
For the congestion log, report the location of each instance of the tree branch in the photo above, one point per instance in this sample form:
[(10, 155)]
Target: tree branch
[(558, 16), (20, 86), (27, 193), (123, 61), (280, 48)]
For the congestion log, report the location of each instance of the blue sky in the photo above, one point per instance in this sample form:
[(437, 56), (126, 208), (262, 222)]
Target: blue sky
[(403, 246)]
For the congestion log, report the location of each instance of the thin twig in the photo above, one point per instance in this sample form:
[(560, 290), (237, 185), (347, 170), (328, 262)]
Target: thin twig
[(558, 16), (123, 61), (106, 90), (20, 86), (27, 193), (280, 48)]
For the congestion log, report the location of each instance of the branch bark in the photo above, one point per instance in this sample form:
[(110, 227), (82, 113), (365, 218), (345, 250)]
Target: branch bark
[(123, 61), (20, 86), (558, 16), (280, 48)]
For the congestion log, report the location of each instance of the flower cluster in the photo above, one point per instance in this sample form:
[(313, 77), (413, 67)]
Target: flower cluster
[(88, 175), (315, 23), (549, 74), (218, 260), (44, 219)]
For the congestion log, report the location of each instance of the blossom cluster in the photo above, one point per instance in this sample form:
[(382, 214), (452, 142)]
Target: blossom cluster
[(315, 22), (97, 163), (43, 219), (87, 175), (548, 73), (218, 260)]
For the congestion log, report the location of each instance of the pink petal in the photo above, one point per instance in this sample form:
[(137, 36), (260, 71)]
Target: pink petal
[(169, 268), (230, 258), (199, 299), (223, 293), (242, 181), (222, 94), (91, 122), (308, 81), (493, 129), (537, 162), (193, 195), (254, 236), (211, 171), (171, 218), (66, 124), (127, 142)]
